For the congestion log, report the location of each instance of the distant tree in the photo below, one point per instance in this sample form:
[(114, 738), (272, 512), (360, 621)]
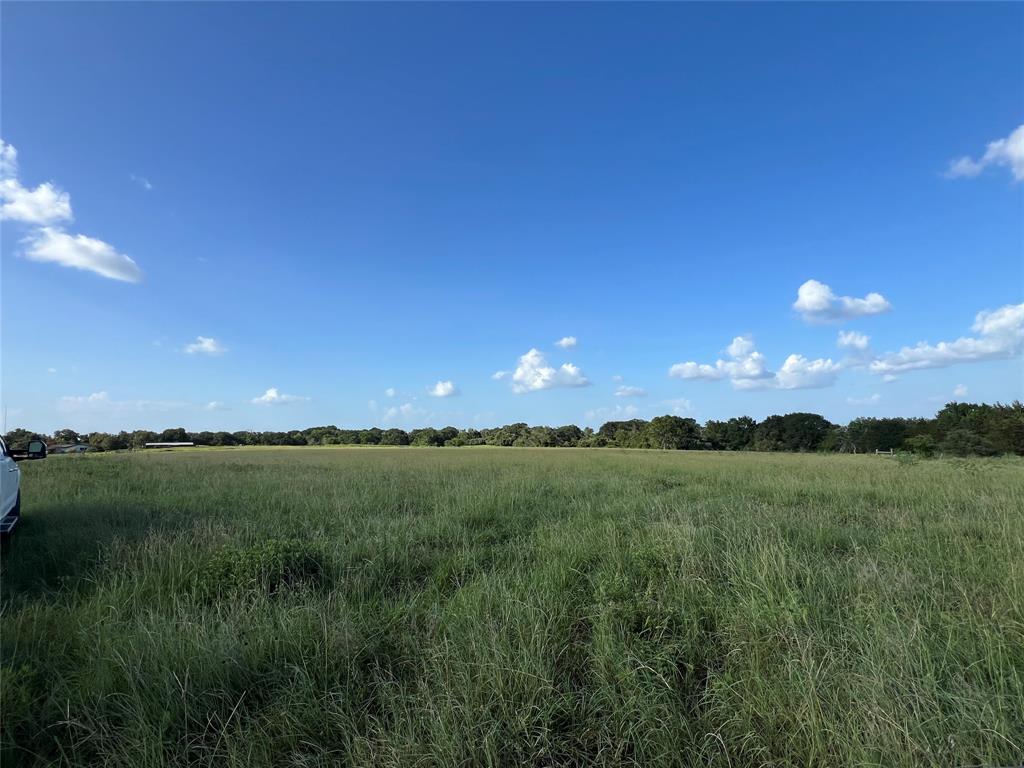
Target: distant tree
[(506, 435), (792, 432), (922, 445), (568, 436), (869, 434), (174, 435), (140, 437), (20, 438), (67, 437), (736, 434), (672, 432), (426, 436), (964, 442), (394, 437)]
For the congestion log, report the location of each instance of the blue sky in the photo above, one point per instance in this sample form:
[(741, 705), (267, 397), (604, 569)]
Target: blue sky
[(271, 216)]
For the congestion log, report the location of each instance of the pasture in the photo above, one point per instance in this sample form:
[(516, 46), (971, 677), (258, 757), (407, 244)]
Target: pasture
[(505, 607)]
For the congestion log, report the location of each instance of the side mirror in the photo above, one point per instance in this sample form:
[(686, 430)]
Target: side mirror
[(36, 450)]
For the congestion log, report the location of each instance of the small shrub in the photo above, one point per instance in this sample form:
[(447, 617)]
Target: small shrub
[(263, 569)]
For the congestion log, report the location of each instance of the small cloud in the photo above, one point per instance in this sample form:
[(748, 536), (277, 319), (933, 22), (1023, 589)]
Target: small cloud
[(51, 370), (443, 389), (870, 400), (566, 342), (205, 345), (617, 378), (816, 303), (1007, 152), (853, 340), (142, 181), (215, 405), (275, 397), (534, 374), (372, 405), (626, 391), (960, 390), (404, 413), (499, 375), (46, 204), (81, 252), (889, 378), (389, 392)]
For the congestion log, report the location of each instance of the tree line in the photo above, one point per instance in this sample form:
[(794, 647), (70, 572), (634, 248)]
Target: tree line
[(958, 429)]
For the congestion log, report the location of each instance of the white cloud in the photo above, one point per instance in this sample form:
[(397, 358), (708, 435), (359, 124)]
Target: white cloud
[(1008, 152), (797, 372), (8, 161), (443, 389), (205, 345), (274, 397), (566, 342), (627, 391), (499, 375), (403, 412), (747, 364), (215, 405), (533, 374), (100, 402), (854, 340), (389, 392), (1000, 336), (81, 252), (679, 405), (51, 370), (617, 413), (142, 181), (816, 303), (870, 400), (960, 390), (748, 370), (889, 378), (46, 204)]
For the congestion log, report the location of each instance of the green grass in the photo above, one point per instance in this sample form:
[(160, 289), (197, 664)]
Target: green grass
[(505, 607)]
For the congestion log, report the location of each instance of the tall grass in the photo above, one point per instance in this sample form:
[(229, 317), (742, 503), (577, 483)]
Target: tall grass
[(500, 607)]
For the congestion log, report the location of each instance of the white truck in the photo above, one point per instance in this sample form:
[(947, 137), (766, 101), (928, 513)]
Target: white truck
[(10, 482)]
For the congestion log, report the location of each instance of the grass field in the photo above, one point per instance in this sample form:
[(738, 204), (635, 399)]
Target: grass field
[(504, 607)]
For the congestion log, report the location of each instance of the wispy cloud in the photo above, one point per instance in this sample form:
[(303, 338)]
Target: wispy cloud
[(101, 402), (205, 345), (80, 252), (566, 342), (614, 413), (1007, 152), (142, 181), (869, 400), (628, 391)]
